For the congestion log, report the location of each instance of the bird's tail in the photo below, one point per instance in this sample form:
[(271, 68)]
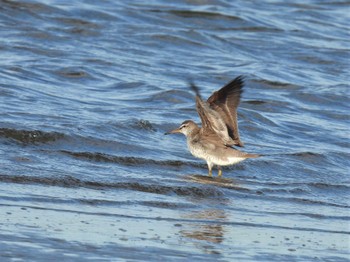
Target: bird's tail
[(252, 155)]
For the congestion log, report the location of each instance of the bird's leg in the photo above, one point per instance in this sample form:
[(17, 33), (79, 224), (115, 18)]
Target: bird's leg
[(210, 167), (219, 171)]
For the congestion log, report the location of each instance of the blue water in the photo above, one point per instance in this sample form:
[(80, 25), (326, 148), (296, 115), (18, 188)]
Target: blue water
[(88, 89)]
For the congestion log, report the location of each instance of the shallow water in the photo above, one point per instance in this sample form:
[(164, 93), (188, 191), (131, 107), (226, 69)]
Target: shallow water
[(89, 88)]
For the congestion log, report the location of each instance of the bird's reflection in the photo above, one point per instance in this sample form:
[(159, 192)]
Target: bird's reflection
[(206, 228), (209, 229), (216, 181)]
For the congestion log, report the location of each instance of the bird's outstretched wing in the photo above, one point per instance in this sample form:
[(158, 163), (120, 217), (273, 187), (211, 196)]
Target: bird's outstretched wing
[(225, 102), (212, 122)]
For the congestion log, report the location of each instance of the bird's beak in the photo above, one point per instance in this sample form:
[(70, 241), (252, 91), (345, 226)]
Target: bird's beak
[(175, 131)]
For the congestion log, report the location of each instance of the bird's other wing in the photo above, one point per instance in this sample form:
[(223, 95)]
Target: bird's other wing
[(225, 102), (211, 119)]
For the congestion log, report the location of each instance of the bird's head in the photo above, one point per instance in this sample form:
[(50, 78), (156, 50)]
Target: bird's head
[(186, 128)]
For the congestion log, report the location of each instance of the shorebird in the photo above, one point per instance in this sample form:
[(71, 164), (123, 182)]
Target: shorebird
[(214, 141)]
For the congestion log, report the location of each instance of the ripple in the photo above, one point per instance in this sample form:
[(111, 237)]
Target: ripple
[(30, 136), (144, 125), (72, 182), (28, 6), (275, 84), (199, 14), (101, 157), (72, 73)]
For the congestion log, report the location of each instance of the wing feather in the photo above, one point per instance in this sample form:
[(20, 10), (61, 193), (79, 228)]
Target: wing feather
[(212, 122), (225, 102)]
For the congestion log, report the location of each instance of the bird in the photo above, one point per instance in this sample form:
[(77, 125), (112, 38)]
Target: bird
[(216, 139)]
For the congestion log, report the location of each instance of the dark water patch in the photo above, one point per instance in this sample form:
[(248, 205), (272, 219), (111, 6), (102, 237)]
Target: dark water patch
[(289, 196), (199, 14), (323, 217), (177, 40), (44, 36), (326, 186), (143, 125), (255, 102), (72, 73), (178, 190), (33, 50), (310, 157), (173, 97), (77, 22), (314, 60), (304, 192), (258, 29), (65, 181), (27, 137), (127, 86), (56, 200), (287, 214), (26, 6), (163, 204), (314, 202), (95, 202), (297, 185), (72, 182), (284, 190), (275, 84), (85, 32), (127, 160)]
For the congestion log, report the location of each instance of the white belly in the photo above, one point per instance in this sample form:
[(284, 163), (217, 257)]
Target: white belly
[(199, 152), (229, 161)]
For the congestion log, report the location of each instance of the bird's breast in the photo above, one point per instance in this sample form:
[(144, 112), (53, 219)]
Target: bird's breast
[(196, 149)]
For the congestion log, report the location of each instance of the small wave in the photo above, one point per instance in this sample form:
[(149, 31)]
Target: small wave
[(275, 84), (297, 187), (163, 204), (328, 186), (284, 190), (30, 136), (126, 160), (199, 14), (30, 7), (176, 39), (72, 73), (305, 154), (259, 29), (72, 182), (317, 202), (309, 156), (77, 22), (144, 125), (255, 102)]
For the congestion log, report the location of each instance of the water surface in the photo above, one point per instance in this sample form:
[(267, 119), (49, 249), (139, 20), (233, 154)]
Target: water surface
[(88, 89)]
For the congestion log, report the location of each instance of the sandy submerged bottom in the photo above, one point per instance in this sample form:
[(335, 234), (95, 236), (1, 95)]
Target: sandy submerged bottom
[(90, 224)]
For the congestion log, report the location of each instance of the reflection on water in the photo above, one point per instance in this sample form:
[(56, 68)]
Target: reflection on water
[(215, 180), (207, 228), (207, 231)]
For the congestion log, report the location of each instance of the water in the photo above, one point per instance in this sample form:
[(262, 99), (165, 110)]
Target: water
[(88, 89)]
